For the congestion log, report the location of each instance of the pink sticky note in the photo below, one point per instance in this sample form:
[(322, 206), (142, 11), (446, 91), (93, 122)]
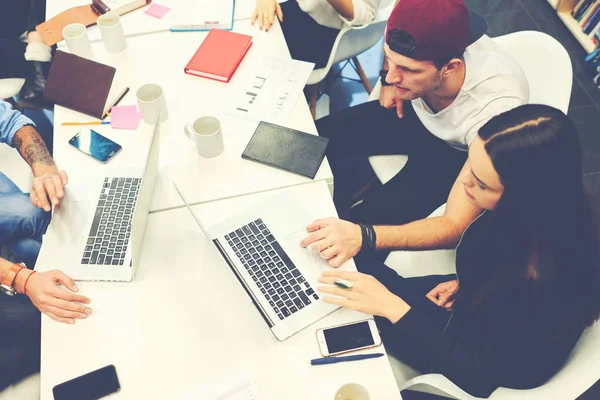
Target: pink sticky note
[(157, 11), (125, 117)]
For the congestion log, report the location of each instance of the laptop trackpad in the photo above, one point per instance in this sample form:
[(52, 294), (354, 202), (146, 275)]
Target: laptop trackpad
[(69, 226), (304, 258)]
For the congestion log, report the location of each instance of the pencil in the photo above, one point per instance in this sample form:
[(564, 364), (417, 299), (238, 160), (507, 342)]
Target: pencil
[(114, 103), (87, 123)]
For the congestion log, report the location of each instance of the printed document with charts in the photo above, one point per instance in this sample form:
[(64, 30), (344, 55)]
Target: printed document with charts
[(269, 89), (237, 385), (202, 15)]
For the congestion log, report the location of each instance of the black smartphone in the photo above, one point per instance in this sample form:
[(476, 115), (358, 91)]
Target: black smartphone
[(91, 386), (94, 144)]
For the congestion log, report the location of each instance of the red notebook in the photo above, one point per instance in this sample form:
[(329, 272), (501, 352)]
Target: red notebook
[(219, 55)]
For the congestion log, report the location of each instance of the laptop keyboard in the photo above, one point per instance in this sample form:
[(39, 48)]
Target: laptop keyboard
[(109, 235), (282, 284)]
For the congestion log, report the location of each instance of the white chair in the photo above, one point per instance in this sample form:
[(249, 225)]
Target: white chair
[(10, 87), (579, 373), (349, 43), (550, 83)]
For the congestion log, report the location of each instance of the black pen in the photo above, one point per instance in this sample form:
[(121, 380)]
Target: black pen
[(114, 103), (331, 360)]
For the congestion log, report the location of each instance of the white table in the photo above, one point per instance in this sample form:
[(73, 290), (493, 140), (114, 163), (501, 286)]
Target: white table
[(160, 58), (165, 332), (186, 320)]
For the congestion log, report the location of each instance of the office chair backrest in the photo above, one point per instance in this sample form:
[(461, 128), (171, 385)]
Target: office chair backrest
[(547, 66), (10, 87)]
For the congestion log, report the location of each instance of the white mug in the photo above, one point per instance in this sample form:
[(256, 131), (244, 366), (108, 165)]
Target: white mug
[(150, 98), (77, 40), (208, 135), (112, 33), (352, 391)]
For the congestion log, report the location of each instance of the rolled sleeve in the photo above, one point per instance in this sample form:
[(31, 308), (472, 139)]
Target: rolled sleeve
[(364, 13), (10, 122)]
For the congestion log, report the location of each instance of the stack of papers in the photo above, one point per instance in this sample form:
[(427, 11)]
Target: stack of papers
[(201, 15), (237, 385), (270, 89)]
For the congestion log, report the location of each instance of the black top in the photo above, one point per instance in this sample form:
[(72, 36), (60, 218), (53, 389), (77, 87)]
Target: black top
[(517, 335)]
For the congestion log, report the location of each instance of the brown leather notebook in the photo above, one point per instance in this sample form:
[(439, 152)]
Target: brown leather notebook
[(78, 83)]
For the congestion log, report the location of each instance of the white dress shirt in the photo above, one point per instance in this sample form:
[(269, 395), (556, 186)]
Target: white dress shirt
[(324, 13)]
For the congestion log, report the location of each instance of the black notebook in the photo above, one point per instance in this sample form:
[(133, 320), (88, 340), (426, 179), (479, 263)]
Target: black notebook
[(287, 149)]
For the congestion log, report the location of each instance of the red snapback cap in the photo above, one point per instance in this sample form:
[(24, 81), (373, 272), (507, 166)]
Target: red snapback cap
[(431, 29)]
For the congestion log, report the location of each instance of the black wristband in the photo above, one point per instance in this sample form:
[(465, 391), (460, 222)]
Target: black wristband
[(382, 74), (365, 239), (372, 237), (369, 238)]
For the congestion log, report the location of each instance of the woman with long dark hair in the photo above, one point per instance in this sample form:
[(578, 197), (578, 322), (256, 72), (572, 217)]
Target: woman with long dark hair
[(527, 268)]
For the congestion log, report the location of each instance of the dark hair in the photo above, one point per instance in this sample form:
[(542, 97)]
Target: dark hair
[(401, 42), (536, 152), (440, 62)]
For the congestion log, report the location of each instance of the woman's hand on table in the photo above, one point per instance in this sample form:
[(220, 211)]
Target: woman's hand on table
[(264, 13)]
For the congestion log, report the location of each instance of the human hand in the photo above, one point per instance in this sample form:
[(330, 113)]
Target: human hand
[(367, 295), (389, 98), (57, 303), (334, 239), (48, 185), (265, 11), (443, 294)]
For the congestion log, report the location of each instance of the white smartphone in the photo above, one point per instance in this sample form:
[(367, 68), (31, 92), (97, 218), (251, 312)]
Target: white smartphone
[(348, 337)]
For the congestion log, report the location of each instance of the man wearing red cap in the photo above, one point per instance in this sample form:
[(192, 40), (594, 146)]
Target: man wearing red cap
[(442, 80)]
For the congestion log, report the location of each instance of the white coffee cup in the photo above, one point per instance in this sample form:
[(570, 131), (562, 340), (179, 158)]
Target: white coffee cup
[(352, 391), (111, 30), (150, 98), (208, 135), (77, 40)]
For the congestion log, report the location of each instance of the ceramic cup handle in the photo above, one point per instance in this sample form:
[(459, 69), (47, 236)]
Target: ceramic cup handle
[(189, 131)]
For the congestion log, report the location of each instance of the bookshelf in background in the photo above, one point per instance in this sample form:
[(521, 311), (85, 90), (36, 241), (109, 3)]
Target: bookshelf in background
[(565, 9)]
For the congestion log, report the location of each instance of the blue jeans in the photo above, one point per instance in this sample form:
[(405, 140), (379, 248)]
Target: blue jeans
[(21, 223)]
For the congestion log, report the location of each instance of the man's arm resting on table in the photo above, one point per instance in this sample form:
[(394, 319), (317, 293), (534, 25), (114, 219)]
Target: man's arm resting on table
[(432, 233), (33, 150), (48, 183)]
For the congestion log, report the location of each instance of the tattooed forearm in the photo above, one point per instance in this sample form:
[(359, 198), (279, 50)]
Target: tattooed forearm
[(17, 142), (32, 147), (36, 152)]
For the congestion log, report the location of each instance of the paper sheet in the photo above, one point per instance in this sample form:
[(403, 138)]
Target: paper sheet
[(203, 15), (237, 385), (125, 117), (271, 89)]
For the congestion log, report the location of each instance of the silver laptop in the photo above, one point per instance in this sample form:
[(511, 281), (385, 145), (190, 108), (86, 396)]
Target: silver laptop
[(262, 247), (100, 225)]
